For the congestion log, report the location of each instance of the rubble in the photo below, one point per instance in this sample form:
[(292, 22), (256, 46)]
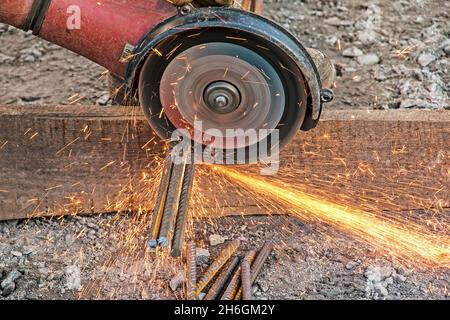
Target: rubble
[(215, 240), (368, 59), (178, 280), (202, 256), (352, 52), (73, 277)]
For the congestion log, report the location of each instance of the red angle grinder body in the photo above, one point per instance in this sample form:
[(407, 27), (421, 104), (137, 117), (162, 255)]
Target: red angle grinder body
[(229, 68)]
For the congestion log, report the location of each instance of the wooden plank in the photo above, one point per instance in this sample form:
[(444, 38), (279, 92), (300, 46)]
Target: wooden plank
[(82, 159)]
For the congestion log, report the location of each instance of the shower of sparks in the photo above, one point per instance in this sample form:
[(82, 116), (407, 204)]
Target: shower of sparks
[(388, 235)]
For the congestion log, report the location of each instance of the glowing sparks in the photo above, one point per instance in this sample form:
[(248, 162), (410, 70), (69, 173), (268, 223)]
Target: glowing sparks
[(398, 239)]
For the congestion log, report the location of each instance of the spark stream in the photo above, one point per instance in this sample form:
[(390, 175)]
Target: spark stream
[(398, 239)]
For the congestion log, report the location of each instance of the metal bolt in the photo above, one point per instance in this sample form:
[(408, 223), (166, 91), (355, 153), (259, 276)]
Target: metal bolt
[(221, 101), (185, 10), (326, 95)]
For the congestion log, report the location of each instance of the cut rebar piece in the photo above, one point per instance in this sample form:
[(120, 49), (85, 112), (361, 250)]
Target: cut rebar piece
[(171, 205), (261, 259), (246, 279), (221, 280), (183, 206), (235, 282), (160, 201), (191, 271), (217, 265), (257, 265)]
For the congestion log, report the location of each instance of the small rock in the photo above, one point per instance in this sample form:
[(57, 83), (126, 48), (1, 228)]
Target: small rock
[(404, 271), (351, 265), (381, 290), (70, 239), (4, 59), (425, 59), (202, 256), (10, 278), (378, 274), (264, 287), (178, 280), (3, 28), (73, 277), (31, 296), (352, 52), (16, 253), (28, 251), (369, 59), (255, 289), (400, 278), (242, 239), (31, 54), (103, 100), (9, 289), (215, 240), (335, 21), (388, 281), (447, 50)]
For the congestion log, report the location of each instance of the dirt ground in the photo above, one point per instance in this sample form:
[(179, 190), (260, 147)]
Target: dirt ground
[(388, 54)]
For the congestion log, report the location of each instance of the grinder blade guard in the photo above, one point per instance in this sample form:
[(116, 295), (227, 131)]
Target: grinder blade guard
[(232, 70)]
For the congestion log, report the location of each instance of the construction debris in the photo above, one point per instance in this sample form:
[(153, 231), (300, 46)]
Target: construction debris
[(233, 277), (217, 265)]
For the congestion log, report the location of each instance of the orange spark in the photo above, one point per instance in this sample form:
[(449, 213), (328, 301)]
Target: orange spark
[(398, 240)]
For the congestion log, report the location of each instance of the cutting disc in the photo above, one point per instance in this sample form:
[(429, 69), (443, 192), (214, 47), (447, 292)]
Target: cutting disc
[(224, 90)]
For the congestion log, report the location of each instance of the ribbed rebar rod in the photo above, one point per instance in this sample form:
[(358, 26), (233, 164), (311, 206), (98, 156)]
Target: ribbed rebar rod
[(183, 208), (160, 201), (261, 259), (191, 271), (217, 265), (235, 282), (220, 282), (257, 265), (171, 205), (246, 279)]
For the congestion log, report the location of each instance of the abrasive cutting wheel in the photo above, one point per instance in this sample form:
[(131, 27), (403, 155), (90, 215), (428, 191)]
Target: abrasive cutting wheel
[(222, 76), (225, 86)]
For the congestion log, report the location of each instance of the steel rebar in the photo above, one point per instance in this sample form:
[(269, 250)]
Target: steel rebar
[(257, 265), (261, 259), (246, 279), (191, 271), (160, 201), (217, 265), (171, 205), (183, 206), (218, 285), (235, 282)]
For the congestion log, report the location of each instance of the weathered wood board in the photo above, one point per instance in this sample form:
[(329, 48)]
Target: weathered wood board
[(80, 159)]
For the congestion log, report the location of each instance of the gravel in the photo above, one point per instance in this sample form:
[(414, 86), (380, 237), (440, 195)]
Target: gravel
[(215, 240)]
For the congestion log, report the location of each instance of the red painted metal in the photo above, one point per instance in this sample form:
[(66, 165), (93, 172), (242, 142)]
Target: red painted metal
[(105, 29), (15, 12)]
